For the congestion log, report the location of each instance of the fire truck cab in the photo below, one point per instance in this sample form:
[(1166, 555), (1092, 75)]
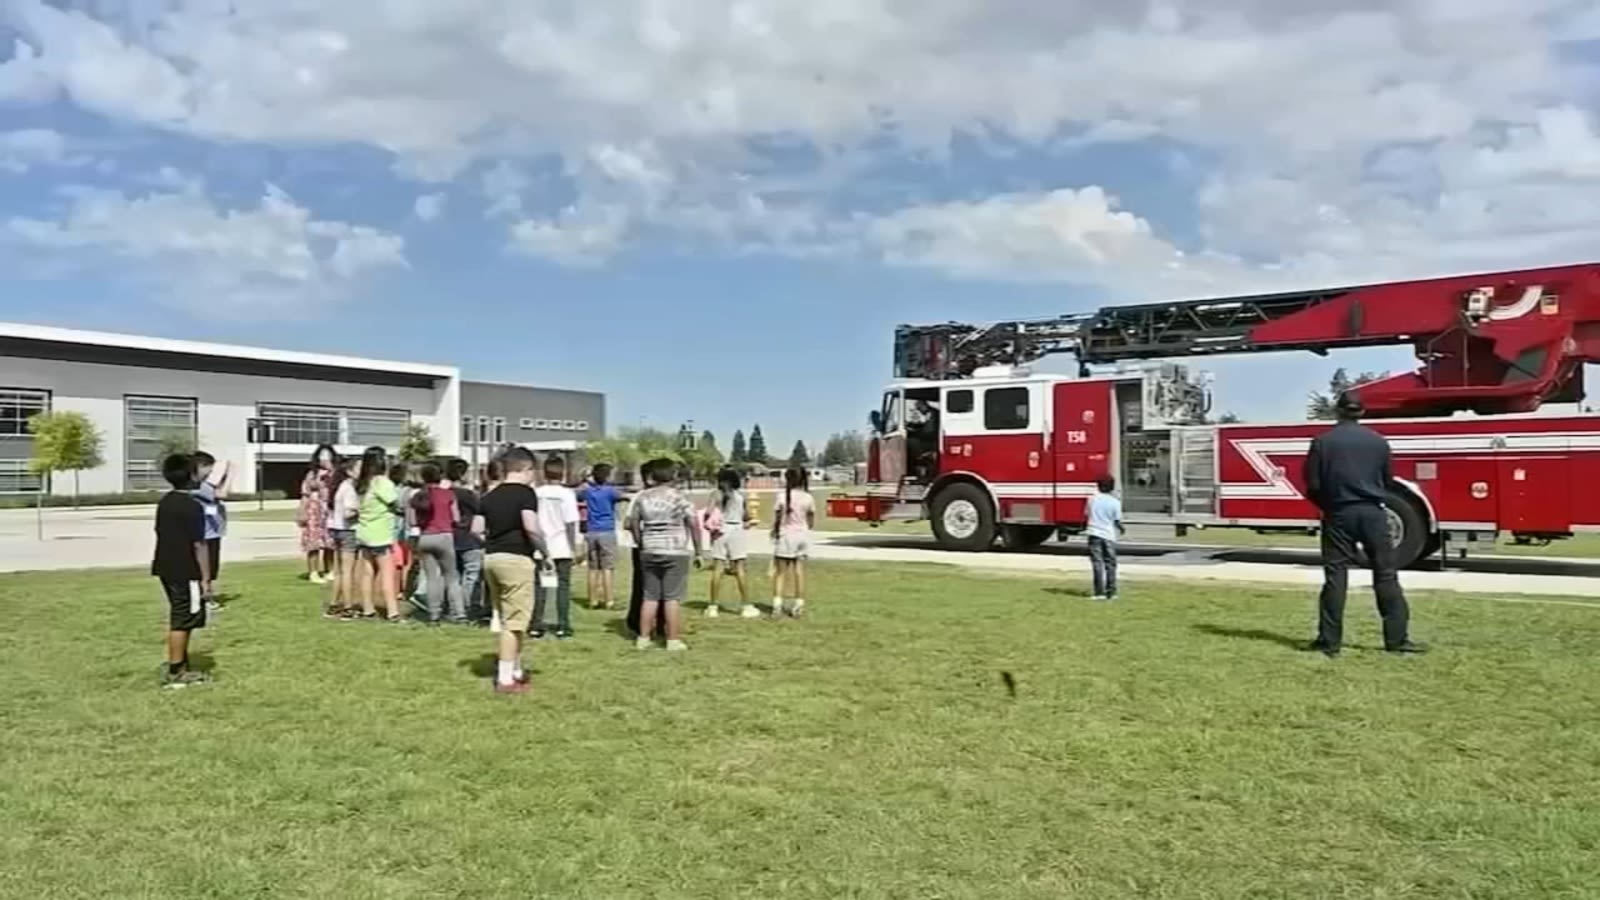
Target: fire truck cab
[(1013, 455)]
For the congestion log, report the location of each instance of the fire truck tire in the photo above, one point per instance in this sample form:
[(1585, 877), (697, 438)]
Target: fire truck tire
[(963, 518), (1412, 524), (1025, 537)]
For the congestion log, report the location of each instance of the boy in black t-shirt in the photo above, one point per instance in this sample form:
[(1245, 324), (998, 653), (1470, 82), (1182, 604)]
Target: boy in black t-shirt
[(183, 563)]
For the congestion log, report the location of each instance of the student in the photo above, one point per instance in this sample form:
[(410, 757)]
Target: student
[(344, 505), (316, 491), (408, 575), (558, 521), (379, 505), (662, 522), (469, 545), (494, 472), (600, 498), (433, 508), (211, 488), (636, 588), (508, 519), (1105, 524), (728, 551), (793, 517), (183, 563)]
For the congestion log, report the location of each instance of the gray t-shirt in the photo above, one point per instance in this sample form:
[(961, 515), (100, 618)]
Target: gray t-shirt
[(732, 509), (658, 517)]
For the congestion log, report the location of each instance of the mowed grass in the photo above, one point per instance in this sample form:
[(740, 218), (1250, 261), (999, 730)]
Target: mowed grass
[(1172, 745)]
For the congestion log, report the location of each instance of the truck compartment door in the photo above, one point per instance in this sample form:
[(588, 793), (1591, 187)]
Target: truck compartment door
[(1535, 495), (1080, 443)]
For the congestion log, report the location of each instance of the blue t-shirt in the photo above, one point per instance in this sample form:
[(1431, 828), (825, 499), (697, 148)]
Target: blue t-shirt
[(601, 502), (216, 513), (1105, 511)]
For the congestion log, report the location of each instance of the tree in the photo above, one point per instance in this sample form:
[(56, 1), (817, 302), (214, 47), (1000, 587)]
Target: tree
[(704, 460), (741, 451), (616, 452), (652, 443), (62, 442), (844, 449), (800, 457), (417, 445), (758, 447), (1321, 405), (707, 439)]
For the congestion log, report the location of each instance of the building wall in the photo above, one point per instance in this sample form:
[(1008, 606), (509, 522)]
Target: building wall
[(225, 404), (529, 414)]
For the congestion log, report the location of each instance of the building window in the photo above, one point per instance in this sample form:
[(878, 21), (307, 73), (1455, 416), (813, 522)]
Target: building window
[(466, 429), (483, 429), (499, 431), (525, 423), (1005, 409), (302, 424), (583, 426), (153, 427), (17, 406), (376, 427), (15, 478)]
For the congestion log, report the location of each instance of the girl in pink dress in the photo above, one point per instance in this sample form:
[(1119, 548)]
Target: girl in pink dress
[(312, 516)]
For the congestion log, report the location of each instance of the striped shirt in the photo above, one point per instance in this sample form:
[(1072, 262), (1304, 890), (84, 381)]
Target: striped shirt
[(659, 518)]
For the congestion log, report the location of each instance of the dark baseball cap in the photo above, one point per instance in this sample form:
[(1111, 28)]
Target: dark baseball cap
[(1350, 405)]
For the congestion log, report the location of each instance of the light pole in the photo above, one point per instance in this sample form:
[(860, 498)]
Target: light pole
[(260, 434)]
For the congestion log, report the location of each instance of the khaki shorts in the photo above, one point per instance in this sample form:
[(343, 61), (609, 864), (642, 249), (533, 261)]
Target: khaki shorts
[(510, 577)]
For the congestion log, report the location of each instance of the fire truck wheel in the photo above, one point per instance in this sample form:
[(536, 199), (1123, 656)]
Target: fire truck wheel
[(1408, 530), (1025, 537), (963, 518)]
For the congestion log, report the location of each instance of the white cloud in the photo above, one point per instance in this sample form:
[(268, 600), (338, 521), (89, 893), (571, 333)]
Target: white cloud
[(23, 149), (429, 207), (258, 260), (1332, 135)]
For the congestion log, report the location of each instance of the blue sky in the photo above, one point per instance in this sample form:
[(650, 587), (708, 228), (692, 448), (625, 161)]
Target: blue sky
[(719, 211)]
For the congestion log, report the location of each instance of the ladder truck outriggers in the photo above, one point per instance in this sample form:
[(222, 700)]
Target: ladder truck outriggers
[(970, 439)]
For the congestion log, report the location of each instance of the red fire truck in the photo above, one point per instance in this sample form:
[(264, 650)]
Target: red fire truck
[(987, 450)]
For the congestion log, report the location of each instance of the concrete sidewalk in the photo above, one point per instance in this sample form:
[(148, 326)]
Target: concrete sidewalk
[(122, 538)]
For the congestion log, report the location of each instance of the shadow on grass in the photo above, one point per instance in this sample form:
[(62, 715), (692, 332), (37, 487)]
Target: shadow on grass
[(482, 665), (1252, 634), (1080, 593), (202, 662)]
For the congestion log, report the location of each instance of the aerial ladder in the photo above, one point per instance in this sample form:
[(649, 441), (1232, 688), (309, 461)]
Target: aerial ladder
[(1502, 342)]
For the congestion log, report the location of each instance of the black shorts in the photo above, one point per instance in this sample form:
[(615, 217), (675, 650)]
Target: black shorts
[(214, 550), (187, 608)]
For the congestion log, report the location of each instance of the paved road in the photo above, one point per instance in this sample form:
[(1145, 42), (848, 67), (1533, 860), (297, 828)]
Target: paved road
[(120, 538)]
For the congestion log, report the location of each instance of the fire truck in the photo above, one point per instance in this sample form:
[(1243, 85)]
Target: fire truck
[(971, 439)]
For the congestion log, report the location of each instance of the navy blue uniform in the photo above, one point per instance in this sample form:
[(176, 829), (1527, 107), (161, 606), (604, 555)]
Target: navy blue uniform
[(1347, 475)]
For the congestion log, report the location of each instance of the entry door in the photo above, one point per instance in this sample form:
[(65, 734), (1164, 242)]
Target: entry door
[(892, 443), (1535, 494), (1080, 442)]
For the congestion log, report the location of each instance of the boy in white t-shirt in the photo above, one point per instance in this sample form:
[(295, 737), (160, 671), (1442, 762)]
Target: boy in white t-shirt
[(1105, 526), (558, 519)]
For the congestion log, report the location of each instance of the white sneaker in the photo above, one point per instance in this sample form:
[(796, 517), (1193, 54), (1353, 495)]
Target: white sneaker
[(315, 578), (1098, 597), (676, 646), (712, 611), (642, 643), (750, 611)]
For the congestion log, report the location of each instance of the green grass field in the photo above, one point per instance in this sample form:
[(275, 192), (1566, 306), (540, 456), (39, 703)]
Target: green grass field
[(1170, 746)]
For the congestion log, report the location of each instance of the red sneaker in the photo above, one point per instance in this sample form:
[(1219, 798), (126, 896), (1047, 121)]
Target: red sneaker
[(515, 687)]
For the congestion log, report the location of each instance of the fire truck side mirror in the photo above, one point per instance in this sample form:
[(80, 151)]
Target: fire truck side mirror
[(876, 419)]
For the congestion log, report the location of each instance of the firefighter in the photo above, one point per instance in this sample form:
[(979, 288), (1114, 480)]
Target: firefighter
[(1347, 478)]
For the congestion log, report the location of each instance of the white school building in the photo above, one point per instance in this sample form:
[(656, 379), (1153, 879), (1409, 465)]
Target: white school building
[(146, 393)]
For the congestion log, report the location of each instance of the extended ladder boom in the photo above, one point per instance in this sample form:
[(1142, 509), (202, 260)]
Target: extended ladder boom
[(1499, 342)]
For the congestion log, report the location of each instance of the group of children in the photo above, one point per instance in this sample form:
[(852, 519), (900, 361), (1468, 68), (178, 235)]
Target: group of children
[(380, 534)]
